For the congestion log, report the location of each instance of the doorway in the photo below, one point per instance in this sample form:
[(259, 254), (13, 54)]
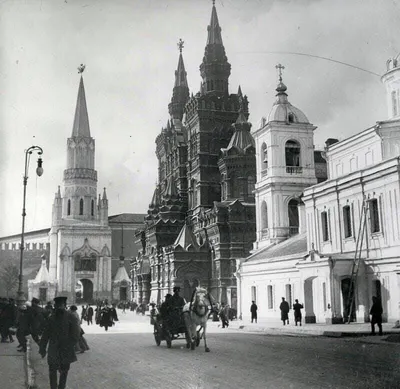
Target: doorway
[(309, 301), (345, 286), (87, 294)]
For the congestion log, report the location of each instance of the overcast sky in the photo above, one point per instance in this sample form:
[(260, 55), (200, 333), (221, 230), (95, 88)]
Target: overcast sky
[(129, 48)]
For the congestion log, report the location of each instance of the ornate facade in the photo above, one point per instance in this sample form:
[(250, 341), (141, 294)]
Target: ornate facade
[(202, 214)]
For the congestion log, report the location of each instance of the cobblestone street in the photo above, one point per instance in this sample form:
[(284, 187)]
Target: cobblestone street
[(127, 357)]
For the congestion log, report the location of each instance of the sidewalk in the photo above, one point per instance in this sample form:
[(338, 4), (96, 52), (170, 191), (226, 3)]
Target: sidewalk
[(12, 366), (353, 330)]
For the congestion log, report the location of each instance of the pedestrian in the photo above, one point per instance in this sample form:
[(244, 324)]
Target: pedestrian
[(253, 310), (284, 307), (376, 315), (83, 314), (7, 320), (223, 315), (61, 333), (297, 307), (123, 307), (113, 314), (23, 326), (37, 319), (89, 315), (105, 317)]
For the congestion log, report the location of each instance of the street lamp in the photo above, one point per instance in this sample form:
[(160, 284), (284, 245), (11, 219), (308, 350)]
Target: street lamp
[(39, 172)]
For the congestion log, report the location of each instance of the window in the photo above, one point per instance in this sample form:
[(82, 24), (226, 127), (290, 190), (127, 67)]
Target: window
[(289, 296), (347, 221), (292, 153), (264, 156), (293, 212), (92, 208), (69, 208), (291, 118), (81, 207), (270, 297), (325, 228), (253, 293), (374, 215)]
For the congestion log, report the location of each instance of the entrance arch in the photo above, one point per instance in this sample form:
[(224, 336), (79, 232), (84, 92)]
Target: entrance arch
[(87, 294), (345, 286)]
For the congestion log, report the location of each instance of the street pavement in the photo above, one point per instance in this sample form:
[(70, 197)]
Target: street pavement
[(12, 366), (126, 356)]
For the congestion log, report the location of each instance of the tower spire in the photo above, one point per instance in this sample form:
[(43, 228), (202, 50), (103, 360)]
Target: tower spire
[(180, 93), (81, 119), (215, 68)]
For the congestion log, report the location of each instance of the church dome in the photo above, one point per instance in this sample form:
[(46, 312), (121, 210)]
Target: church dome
[(286, 112), (282, 110)]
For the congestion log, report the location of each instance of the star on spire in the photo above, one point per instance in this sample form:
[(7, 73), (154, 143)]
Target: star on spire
[(180, 45), (81, 68)]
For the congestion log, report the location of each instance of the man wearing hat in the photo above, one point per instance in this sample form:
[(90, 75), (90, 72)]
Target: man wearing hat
[(61, 333), (37, 319), (177, 300)]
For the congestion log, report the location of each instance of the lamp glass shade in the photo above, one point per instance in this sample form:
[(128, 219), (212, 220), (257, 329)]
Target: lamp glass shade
[(39, 171)]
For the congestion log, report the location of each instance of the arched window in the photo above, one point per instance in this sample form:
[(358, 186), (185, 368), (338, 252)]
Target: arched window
[(264, 215), (264, 156), (394, 103), (69, 207), (293, 213), (81, 207), (292, 153), (290, 118), (251, 185), (92, 208)]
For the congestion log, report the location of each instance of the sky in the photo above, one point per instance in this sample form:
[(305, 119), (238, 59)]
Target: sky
[(130, 51)]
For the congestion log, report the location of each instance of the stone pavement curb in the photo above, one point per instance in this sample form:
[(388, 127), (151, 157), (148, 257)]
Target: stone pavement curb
[(29, 370)]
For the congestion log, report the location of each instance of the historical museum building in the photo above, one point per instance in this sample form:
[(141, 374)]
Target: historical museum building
[(202, 214), (349, 225)]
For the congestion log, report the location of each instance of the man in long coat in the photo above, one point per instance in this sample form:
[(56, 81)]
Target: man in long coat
[(61, 333), (284, 307)]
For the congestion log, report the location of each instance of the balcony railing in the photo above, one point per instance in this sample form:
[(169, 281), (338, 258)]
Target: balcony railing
[(294, 169)]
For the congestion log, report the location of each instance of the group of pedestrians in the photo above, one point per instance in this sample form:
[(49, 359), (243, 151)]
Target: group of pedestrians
[(106, 314)]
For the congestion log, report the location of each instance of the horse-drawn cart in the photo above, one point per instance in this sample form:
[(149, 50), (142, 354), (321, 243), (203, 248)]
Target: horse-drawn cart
[(169, 329)]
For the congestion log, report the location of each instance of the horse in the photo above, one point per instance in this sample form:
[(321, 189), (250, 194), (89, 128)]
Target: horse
[(196, 313)]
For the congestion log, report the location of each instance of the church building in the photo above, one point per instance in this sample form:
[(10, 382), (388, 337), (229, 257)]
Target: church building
[(201, 217), (348, 242)]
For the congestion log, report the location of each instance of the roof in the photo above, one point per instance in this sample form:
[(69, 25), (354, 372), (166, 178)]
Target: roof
[(127, 218), (241, 138), (294, 245), (43, 273), (81, 120), (186, 238), (214, 30)]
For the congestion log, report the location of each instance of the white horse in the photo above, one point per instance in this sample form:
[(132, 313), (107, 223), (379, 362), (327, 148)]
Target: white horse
[(195, 314)]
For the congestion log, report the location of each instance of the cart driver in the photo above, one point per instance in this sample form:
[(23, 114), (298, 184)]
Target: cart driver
[(177, 301)]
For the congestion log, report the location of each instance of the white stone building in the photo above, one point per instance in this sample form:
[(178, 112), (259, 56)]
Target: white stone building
[(315, 266), (80, 237)]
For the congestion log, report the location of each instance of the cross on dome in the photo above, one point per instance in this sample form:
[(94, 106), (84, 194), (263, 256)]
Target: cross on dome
[(280, 68)]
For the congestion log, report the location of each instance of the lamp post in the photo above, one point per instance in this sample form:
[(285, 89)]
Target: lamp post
[(39, 172)]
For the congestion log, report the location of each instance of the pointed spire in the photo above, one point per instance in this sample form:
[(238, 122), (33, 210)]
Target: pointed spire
[(58, 194), (43, 273), (81, 120), (214, 30), (241, 138), (155, 200), (180, 72), (180, 93), (104, 194), (240, 94), (215, 68)]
